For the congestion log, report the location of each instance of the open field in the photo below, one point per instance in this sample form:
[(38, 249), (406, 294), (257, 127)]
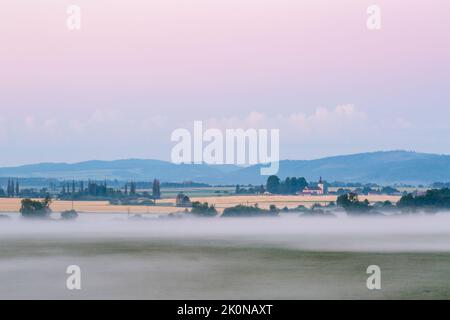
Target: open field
[(168, 193), (221, 202), (283, 258)]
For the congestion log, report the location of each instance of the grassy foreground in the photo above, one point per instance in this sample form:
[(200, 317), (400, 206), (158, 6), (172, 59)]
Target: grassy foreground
[(153, 269)]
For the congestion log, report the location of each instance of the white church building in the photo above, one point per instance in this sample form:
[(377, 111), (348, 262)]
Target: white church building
[(319, 190)]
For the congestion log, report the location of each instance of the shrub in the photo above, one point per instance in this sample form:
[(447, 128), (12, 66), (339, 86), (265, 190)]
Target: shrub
[(69, 215), (247, 211), (203, 209), (36, 209)]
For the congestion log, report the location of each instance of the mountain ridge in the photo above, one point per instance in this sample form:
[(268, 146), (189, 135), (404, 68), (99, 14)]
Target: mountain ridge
[(385, 167)]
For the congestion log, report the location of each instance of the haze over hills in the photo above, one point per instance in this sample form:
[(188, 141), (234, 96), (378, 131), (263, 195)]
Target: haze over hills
[(130, 169), (379, 167)]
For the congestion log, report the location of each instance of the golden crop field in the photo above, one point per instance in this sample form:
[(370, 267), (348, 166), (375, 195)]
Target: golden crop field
[(13, 205), (221, 202)]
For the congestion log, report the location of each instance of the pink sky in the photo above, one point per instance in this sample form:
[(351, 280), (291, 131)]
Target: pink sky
[(156, 65)]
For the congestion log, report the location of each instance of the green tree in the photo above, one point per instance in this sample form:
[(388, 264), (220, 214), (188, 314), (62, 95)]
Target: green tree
[(298, 184), (352, 205), (273, 184), (262, 189), (156, 192), (132, 188), (10, 188)]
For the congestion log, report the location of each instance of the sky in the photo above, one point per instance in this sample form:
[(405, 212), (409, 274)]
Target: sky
[(137, 70)]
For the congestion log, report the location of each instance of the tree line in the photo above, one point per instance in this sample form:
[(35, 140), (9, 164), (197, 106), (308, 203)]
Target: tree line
[(292, 185), (12, 189), (76, 190), (431, 201)]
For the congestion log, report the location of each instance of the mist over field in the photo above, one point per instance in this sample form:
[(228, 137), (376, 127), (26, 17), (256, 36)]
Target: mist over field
[(383, 234), (290, 257)]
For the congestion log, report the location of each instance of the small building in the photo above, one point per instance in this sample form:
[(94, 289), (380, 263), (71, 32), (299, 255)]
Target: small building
[(183, 201), (314, 190)]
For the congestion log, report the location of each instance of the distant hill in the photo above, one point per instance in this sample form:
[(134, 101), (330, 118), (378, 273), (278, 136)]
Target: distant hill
[(379, 167), (131, 169)]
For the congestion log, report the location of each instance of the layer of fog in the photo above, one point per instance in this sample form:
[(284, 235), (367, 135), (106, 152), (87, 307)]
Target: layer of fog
[(377, 234)]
